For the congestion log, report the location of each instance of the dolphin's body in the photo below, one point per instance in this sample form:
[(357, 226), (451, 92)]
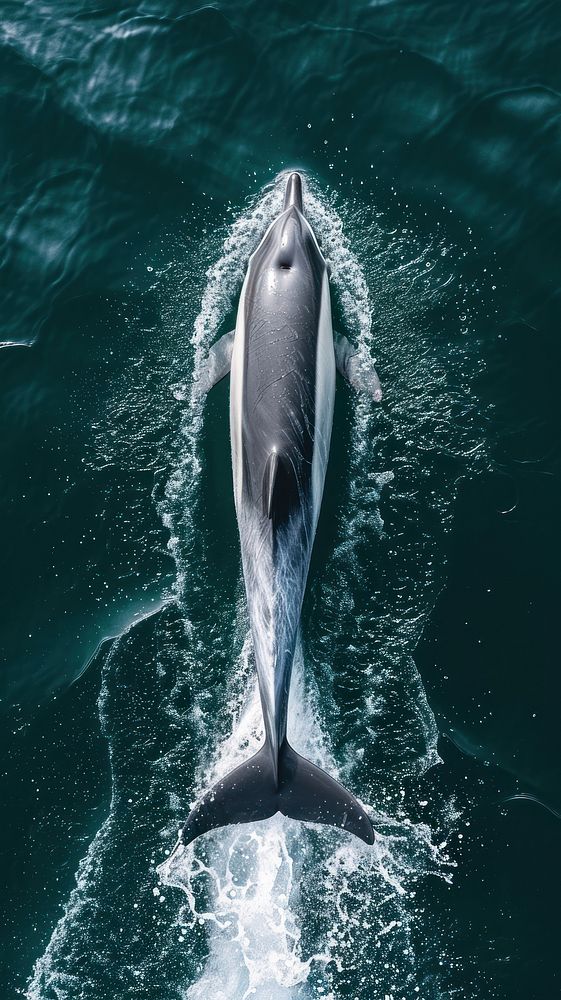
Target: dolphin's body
[(282, 360)]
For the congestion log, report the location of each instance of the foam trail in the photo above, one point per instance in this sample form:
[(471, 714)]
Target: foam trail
[(252, 877), (280, 909), (245, 884)]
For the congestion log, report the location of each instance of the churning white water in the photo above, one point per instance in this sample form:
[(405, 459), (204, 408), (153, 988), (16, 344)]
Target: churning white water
[(279, 909), (245, 883)]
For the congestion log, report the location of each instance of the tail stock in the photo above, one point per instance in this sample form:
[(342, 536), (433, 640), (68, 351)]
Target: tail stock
[(304, 792)]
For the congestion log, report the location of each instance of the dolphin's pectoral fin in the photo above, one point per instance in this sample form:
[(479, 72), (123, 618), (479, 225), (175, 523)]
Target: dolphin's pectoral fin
[(361, 374), (300, 790), (218, 362)]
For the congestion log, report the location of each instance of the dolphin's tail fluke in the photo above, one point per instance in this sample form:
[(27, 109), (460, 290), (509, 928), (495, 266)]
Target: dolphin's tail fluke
[(303, 792), (293, 193)]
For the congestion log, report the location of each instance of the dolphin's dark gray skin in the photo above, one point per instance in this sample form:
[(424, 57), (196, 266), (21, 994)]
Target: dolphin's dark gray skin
[(282, 361)]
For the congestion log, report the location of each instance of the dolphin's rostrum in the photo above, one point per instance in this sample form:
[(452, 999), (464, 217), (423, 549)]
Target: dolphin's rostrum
[(282, 360)]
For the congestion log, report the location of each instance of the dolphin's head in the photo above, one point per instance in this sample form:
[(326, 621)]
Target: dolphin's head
[(290, 243)]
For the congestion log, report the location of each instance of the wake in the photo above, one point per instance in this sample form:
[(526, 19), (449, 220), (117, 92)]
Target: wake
[(250, 880), (277, 909)]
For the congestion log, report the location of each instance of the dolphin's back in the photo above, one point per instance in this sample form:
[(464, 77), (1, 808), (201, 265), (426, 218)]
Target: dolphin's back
[(282, 313)]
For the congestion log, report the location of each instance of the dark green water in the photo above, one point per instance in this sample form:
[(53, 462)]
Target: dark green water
[(143, 156)]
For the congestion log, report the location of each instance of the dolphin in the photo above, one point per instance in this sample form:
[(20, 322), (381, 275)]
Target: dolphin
[(282, 359)]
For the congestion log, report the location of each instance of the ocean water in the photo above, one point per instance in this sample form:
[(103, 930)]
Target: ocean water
[(146, 150)]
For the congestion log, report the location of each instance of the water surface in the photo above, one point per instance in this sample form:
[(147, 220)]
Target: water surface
[(145, 151)]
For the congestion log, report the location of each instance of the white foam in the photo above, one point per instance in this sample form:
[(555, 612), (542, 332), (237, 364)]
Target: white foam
[(290, 910), (245, 883)]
